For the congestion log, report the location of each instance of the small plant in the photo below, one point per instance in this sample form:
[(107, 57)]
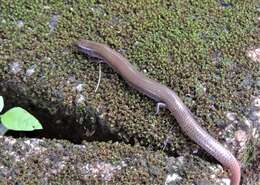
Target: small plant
[(17, 119)]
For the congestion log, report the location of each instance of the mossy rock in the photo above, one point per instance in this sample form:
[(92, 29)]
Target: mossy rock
[(196, 48), (43, 161)]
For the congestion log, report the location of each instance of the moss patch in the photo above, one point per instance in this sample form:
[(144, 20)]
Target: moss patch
[(196, 48), (35, 161)]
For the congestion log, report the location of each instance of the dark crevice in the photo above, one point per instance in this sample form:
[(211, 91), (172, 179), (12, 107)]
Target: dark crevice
[(205, 156), (58, 121), (73, 124)]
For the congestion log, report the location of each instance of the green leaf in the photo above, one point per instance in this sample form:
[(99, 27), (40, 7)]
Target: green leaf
[(20, 120), (1, 103)]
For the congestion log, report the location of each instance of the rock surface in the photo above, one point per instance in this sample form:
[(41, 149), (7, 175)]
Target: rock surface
[(43, 161), (207, 51)]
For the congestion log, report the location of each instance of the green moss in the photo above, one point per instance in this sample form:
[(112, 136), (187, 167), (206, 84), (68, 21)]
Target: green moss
[(174, 42), (61, 162)]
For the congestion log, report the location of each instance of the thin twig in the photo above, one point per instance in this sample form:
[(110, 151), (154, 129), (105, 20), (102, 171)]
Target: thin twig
[(99, 77)]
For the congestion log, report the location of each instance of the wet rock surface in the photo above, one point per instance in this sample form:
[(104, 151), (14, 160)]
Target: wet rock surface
[(43, 161)]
